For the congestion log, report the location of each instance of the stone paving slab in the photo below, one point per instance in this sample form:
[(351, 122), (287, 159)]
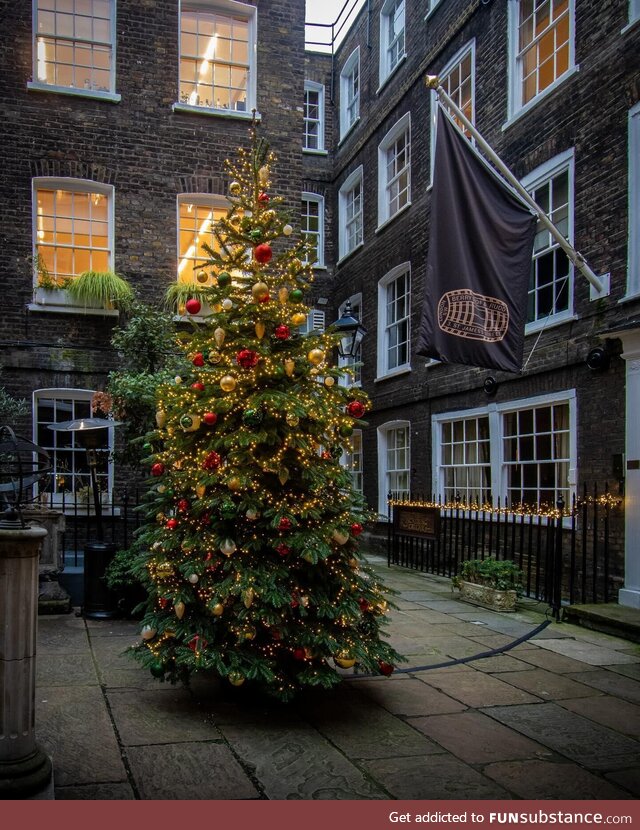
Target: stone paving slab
[(550, 660), (298, 763), (73, 726), (627, 669), (479, 689), (586, 652), (499, 663), (407, 696), (547, 780), (361, 729), (629, 779), (489, 639), (620, 715), (418, 614), (547, 685), (576, 738), (62, 635), (189, 772), (478, 739), (126, 629), (455, 646), (79, 670), (432, 777), (95, 792), (611, 683), (164, 716)]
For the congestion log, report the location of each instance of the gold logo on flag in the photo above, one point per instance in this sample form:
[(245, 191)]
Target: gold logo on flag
[(464, 313)]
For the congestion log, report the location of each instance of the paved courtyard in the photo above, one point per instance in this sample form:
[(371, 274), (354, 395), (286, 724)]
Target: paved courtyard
[(556, 717)]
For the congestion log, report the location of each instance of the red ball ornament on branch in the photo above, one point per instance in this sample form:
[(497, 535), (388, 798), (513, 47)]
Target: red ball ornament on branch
[(183, 505), (356, 529), (299, 653), (172, 524), (193, 305), (198, 386), (265, 298), (263, 197), (157, 469), (262, 253), (283, 550), (284, 524), (198, 359), (356, 409), (212, 461), (282, 332), (209, 418), (385, 668), (364, 604), (198, 643), (247, 358)]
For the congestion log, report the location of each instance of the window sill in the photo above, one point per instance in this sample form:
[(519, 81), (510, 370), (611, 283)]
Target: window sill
[(58, 301), (94, 94), (350, 253), (401, 370), (630, 25), (541, 96), (307, 152), (432, 11), (384, 81), (388, 221), (211, 112), (629, 296), (348, 132), (549, 322)]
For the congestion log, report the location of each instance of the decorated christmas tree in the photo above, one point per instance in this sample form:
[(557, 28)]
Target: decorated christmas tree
[(249, 551)]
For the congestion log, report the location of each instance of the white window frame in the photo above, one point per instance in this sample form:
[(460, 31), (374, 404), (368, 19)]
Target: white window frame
[(634, 11), (355, 451), (456, 60), (400, 128), (43, 86), (356, 308), (386, 70), (213, 200), (312, 86), (319, 200), (356, 178), (633, 265), (229, 8), (383, 472), (495, 413), (315, 321), (516, 107), (383, 370), (59, 299), (82, 395), (535, 179), (347, 102), (432, 5)]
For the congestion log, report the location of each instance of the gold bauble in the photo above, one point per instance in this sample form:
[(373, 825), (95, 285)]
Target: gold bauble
[(227, 383), (344, 661), (202, 277), (219, 335), (316, 356), (298, 319), (217, 610), (263, 175), (287, 230), (177, 380), (217, 308), (234, 483), (252, 515), (200, 490), (164, 570), (214, 357), (249, 633), (340, 537), (329, 381), (235, 678), (283, 294), (235, 188), (269, 216), (179, 609), (259, 290), (161, 418), (292, 420), (260, 329), (289, 366), (194, 425)]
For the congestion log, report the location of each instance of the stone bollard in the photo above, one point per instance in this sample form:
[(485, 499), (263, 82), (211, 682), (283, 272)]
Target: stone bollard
[(24, 768)]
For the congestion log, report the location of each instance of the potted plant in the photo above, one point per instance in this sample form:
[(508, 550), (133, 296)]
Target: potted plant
[(49, 289), (100, 289), (490, 583)]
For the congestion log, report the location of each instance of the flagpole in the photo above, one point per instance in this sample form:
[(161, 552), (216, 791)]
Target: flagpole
[(433, 82)]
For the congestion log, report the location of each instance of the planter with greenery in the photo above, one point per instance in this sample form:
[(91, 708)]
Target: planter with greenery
[(490, 583), (100, 289)]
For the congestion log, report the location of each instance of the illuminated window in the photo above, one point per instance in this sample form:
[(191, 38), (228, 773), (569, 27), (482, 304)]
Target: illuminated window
[(217, 56), (458, 80), (352, 460), (74, 44), (394, 321), (394, 463), (350, 209), (394, 170), (313, 116), (313, 227), (392, 37), (465, 462), (196, 214), (350, 93), (542, 33), (73, 228)]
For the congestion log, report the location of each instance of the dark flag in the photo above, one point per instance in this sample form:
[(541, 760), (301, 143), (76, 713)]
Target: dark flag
[(479, 261)]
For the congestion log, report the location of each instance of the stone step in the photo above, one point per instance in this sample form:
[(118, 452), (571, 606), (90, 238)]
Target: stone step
[(608, 617)]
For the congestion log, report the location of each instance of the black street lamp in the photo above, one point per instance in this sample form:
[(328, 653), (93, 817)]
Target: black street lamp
[(98, 602), (352, 332)]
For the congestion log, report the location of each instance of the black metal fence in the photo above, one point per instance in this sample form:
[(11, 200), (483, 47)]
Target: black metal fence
[(568, 554)]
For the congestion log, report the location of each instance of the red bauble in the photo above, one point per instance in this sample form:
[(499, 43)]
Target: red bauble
[(198, 643), (209, 418), (263, 253), (163, 602), (282, 332), (326, 455), (264, 299), (283, 550), (285, 524), (205, 519), (172, 524), (294, 603), (212, 461), (183, 505), (199, 387), (263, 197), (356, 529), (299, 653), (157, 469), (198, 359), (385, 668), (364, 604), (193, 305), (247, 358), (356, 409)]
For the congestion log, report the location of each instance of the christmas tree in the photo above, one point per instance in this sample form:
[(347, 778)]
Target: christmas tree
[(250, 551)]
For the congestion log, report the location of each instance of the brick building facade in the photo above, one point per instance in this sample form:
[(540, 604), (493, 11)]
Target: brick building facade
[(553, 86)]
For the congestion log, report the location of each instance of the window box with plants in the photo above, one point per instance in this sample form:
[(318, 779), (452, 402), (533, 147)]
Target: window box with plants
[(490, 583), (100, 291)]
